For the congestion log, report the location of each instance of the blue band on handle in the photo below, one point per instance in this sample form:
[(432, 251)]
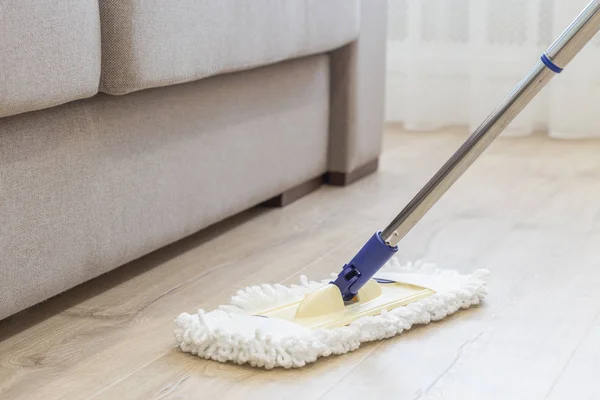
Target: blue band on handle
[(551, 66)]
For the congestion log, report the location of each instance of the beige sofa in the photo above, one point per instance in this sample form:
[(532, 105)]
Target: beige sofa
[(126, 125)]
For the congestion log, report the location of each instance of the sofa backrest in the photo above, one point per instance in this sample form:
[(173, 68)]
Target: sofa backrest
[(54, 52), (152, 43), (49, 53)]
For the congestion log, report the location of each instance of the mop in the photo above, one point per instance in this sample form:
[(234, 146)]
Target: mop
[(374, 297)]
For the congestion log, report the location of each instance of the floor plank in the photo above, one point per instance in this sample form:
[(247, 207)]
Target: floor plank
[(528, 210)]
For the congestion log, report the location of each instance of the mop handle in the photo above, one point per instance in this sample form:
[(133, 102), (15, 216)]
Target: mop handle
[(556, 57)]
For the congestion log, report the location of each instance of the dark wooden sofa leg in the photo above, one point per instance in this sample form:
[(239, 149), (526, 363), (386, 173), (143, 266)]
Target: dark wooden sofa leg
[(348, 178), (295, 193), (330, 178)]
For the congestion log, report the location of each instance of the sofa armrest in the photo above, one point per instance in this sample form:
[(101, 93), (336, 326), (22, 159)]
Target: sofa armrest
[(357, 98)]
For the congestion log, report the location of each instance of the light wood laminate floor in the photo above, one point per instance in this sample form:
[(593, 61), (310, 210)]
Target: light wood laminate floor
[(528, 210)]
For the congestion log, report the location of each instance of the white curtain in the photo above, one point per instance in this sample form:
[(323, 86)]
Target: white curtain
[(451, 62)]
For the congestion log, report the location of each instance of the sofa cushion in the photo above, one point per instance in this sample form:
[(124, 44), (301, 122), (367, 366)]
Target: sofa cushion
[(49, 53), (152, 43), (89, 186)]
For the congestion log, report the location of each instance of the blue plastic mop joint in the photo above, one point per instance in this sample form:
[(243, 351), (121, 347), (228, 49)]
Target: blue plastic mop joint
[(370, 259)]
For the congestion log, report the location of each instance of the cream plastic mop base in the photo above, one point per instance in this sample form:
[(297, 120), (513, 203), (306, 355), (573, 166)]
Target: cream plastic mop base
[(325, 308), (271, 326)]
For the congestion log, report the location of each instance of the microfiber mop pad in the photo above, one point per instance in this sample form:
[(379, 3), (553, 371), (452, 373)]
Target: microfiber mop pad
[(233, 332)]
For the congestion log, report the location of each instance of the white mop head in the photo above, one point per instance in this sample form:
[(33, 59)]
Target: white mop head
[(231, 334)]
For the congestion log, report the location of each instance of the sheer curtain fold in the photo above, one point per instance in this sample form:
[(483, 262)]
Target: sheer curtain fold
[(450, 62)]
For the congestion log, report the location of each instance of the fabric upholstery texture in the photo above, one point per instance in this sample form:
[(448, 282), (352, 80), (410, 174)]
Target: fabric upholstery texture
[(152, 43), (358, 73), (96, 183), (49, 53)]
